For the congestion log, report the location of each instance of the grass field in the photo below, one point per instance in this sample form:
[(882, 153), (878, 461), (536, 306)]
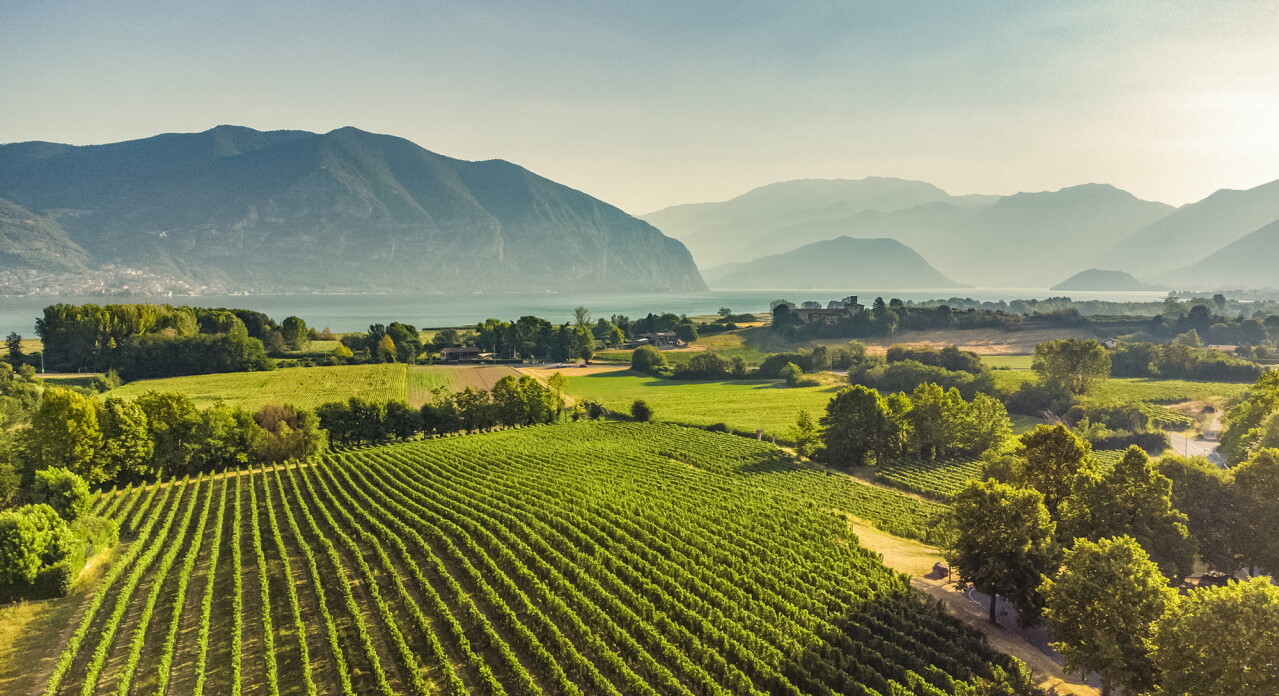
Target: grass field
[(742, 405), (531, 561), (305, 387), (730, 344), (1128, 389)]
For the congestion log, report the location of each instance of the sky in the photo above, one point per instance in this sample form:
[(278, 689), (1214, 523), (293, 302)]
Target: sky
[(650, 104)]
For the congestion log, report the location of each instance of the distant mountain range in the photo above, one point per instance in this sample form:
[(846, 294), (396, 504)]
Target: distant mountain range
[(291, 211), (1249, 262), (843, 262), (1022, 240)]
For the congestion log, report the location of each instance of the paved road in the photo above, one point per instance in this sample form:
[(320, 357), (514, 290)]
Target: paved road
[(1196, 447)]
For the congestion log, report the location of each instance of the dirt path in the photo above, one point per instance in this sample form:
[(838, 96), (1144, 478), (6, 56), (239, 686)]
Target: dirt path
[(916, 560)]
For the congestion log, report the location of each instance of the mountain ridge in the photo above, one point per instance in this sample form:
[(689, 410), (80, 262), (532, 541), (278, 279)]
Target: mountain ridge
[(843, 262), (343, 210)]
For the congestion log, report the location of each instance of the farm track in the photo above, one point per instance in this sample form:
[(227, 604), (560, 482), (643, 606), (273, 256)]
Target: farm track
[(522, 562)]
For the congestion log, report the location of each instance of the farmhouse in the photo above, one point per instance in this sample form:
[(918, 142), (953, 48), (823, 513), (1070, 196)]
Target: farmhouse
[(846, 308), (661, 339), (462, 354)]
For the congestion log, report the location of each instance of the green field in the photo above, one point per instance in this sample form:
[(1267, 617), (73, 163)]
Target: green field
[(1129, 389), (1008, 362), (305, 387), (522, 562), (742, 405)]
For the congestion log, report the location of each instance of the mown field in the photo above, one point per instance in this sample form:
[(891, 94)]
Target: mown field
[(305, 387), (424, 378), (521, 562), (744, 405)]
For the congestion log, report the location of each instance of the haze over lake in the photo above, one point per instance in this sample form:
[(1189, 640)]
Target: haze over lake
[(356, 312)]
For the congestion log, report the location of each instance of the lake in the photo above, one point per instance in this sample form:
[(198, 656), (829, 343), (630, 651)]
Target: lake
[(356, 312)]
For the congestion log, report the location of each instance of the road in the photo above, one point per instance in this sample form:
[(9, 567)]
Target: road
[(1196, 447)]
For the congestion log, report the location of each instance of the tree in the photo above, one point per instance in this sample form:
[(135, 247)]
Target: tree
[(1220, 640), (20, 548), (583, 344), (1102, 607), (936, 417), (403, 422), (1205, 494), (172, 420), (1257, 487), (725, 312), (386, 349), (13, 348), (1251, 421), (288, 433), (647, 359), (791, 373), (686, 332), (1051, 460), (641, 411), (295, 334), (1003, 543), (558, 385), (859, 427), (805, 434), (1074, 364), (126, 443), (1132, 499), (63, 491), (341, 352), (65, 432)]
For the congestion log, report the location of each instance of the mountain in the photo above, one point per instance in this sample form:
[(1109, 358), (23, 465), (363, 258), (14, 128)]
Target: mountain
[(844, 262), (911, 226), (1026, 238), (348, 210), (1251, 262), (1097, 279), (723, 232), (1197, 229), (30, 241)]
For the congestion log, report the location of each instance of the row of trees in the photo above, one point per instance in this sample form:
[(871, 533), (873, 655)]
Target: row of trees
[(510, 403), (1184, 358), (1097, 547), (156, 435), (862, 426)]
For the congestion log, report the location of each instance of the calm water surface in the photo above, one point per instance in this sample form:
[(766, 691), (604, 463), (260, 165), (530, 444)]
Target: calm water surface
[(356, 312)]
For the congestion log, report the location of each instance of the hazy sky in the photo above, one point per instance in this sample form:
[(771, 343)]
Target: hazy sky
[(648, 104)]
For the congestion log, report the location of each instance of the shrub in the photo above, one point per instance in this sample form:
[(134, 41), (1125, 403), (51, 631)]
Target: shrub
[(641, 411), (62, 490)]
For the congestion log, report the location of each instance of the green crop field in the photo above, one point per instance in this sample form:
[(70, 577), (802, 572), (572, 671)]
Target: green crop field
[(742, 405), (305, 387), (595, 558)]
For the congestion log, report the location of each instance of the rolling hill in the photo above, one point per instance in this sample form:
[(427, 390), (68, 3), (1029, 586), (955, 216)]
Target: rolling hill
[(1250, 262), (346, 210), (1097, 279), (843, 262)]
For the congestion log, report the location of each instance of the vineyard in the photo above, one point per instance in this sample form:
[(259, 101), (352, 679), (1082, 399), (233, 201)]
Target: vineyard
[(939, 480), (304, 387), (595, 558)]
